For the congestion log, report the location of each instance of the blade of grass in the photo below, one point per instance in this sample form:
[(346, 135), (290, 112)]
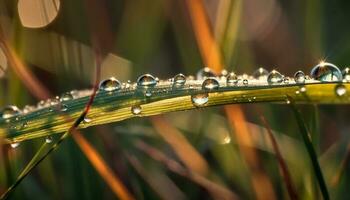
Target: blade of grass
[(282, 164), (311, 151), (336, 178)]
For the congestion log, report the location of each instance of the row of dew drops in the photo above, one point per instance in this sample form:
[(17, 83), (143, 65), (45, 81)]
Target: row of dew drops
[(323, 72)]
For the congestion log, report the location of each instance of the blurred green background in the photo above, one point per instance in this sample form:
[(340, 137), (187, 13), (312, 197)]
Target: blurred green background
[(57, 41)]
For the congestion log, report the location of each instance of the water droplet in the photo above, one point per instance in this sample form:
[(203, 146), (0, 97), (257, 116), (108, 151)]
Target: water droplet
[(303, 89), (199, 99), (245, 82), (179, 80), (297, 92), (48, 139), (66, 97), (15, 145), (274, 77), (224, 72), (210, 84), (261, 74), (299, 77), (340, 90), (136, 110), (146, 80), (110, 84), (231, 79), (64, 107), (10, 111), (326, 72), (287, 101), (86, 120), (346, 74), (205, 73)]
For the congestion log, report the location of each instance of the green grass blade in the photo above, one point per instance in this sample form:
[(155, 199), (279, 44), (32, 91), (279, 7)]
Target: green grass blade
[(311, 151)]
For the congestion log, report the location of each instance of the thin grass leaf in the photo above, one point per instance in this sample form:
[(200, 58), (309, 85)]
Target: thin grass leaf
[(311, 151)]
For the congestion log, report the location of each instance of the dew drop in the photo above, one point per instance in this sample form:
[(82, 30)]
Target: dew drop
[(66, 97), (245, 82), (205, 73), (287, 101), (340, 90), (146, 80), (299, 77), (10, 111), (179, 80), (231, 79), (274, 77), (326, 72), (110, 84), (15, 145), (224, 73), (261, 74), (136, 110), (48, 139), (199, 99), (87, 120), (303, 89), (346, 74), (210, 84)]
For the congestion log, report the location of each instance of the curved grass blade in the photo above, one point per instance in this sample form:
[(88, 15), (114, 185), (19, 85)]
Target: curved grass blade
[(311, 151)]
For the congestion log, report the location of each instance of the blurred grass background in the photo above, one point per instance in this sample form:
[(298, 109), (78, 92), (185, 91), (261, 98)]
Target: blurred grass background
[(160, 37)]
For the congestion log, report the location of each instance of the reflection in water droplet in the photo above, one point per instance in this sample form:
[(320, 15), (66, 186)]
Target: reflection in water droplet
[(9, 111), (146, 80), (261, 74), (148, 93), (346, 74), (136, 110), (340, 90), (299, 77), (110, 84), (199, 99), (286, 80), (231, 79), (66, 97), (48, 139), (205, 73), (179, 80), (274, 77), (245, 82), (326, 72), (210, 84), (64, 107), (15, 145)]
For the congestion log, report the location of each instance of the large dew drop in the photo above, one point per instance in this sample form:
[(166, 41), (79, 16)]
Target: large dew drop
[(346, 74), (299, 77), (231, 79), (326, 72), (205, 73), (199, 100), (274, 77), (340, 90), (210, 84), (110, 84), (9, 111), (146, 80), (179, 80), (261, 74)]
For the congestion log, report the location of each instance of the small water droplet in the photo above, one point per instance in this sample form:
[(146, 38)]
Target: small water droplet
[(66, 97), (303, 89), (326, 72), (87, 120), (48, 139), (210, 84), (245, 82), (261, 74), (274, 77), (205, 73), (110, 84), (287, 101), (297, 92), (15, 145), (340, 90), (146, 80), (231, 79), (199, 99), (179, 80), (346, 74), (224, 72), (9, 111), (299, 77), (136, 110)]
